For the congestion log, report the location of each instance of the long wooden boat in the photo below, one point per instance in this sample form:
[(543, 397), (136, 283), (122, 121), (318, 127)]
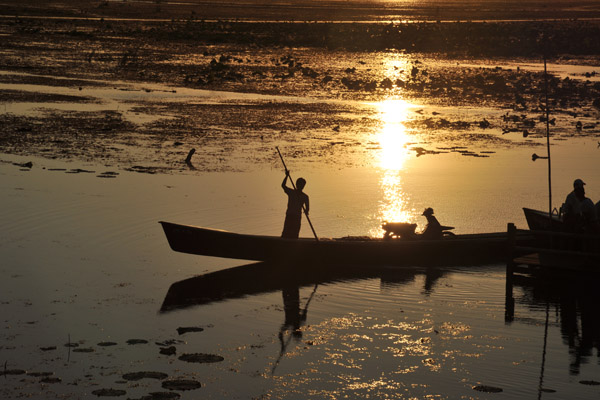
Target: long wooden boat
[(542, 221), (465, 249)]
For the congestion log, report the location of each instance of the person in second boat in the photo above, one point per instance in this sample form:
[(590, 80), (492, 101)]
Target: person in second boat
[(579, 212), (297, 200), (433, 229)]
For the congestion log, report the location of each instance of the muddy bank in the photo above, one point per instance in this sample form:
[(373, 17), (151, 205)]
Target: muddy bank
[(325, 94), (308, 10)]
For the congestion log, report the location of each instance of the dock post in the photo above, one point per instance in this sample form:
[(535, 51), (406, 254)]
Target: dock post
[(509, 310)]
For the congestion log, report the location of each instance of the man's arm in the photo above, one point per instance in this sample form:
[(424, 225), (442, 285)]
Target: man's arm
[(283, 184), (306, 205)]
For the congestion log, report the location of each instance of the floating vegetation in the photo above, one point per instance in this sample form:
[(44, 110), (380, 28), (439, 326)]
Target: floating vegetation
[(49, 348), (590, 383), (109, 392), (106, 344), (161, 396), (52, 379), (137, 341), (12, 372), (169, 342), (107, 174), (84, 350), (181, 384), (487, 389), (201, 358), (168, 351), (136, 376), (181, 331), (40, 374)]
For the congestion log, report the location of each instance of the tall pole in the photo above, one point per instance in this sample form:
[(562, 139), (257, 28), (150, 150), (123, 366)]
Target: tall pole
[(294, 186), (548, 140)]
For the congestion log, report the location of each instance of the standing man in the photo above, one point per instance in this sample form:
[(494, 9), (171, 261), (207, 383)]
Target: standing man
[(297, 200)]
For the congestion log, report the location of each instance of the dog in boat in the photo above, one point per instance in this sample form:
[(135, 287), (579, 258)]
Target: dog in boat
[(403, 230)]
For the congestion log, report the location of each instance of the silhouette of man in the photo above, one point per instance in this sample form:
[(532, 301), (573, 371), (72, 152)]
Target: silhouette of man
[(297, 200), (433, 229), (579, 212)]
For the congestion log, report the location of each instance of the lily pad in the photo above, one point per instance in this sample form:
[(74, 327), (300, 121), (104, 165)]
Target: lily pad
[(201, 358), (137, 341), (168, 351), (487, 389), (51, 379), (109, 392), (162, 396), (182, 330), (106, 344), (40, 374), (181, 384), (12, 372), (591, 383), (136, 376), (48, 348), (84, 350)]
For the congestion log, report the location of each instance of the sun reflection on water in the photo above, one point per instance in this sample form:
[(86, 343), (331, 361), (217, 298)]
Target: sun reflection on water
[(394, 152)]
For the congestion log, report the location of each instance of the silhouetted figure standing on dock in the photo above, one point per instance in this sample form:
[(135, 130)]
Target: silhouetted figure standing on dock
[(297, 200), (579, 212)]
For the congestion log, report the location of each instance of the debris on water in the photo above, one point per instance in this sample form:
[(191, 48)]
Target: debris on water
[(168, 351), (487, 389), (79, 170), (51, 379), (137, 341), (106, 344), (84, 350), (48, 348), (136, 376), (70, 344), (109, 392), (590, 383), (181, 384), (548, 390), (201, 358), (181, 330)]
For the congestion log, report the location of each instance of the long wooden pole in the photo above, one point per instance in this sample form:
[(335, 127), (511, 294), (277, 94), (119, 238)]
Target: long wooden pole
[(294, 186), (548, 140)]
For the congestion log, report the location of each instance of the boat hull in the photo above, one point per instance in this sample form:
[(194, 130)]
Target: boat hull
[(451, 250), (541, 221)]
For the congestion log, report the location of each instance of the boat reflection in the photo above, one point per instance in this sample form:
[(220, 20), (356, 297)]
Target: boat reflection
[(263, 277), (575, 302)]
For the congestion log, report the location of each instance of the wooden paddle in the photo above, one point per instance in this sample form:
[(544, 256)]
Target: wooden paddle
[(294, 186)]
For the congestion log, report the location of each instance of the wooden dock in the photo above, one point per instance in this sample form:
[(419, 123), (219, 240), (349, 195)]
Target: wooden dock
[(555, 255)]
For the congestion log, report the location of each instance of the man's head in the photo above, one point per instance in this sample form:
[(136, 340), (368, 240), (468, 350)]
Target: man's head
[(428, 212), (300, 183), (578, 188)]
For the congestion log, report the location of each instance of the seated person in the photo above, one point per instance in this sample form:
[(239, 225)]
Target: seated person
[(433, 229), (579, 212)]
